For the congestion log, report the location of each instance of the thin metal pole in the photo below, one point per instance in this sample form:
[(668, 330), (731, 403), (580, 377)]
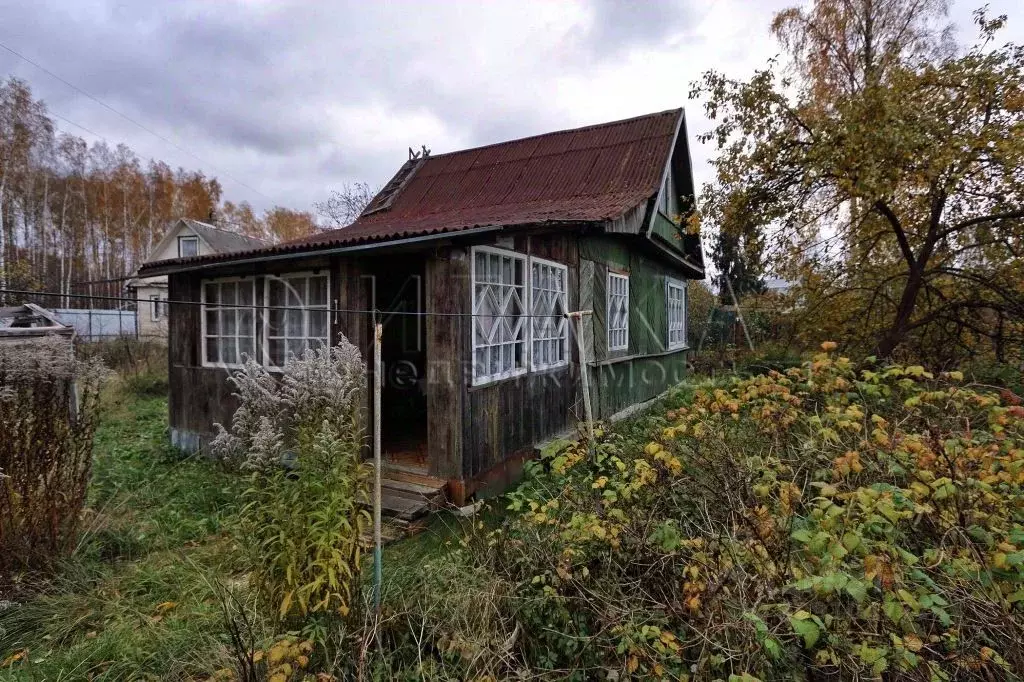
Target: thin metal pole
[(377, 554), (584, 370)]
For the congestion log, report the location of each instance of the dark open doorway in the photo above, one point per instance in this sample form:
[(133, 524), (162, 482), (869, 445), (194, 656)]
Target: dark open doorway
[(399, 295)]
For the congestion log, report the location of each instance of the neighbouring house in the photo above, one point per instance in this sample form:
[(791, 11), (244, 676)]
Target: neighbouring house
[(472, 258), (185, 239)]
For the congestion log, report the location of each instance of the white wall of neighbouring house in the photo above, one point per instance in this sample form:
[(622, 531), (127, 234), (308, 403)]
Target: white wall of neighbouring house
[(152, 307), (152, 317)]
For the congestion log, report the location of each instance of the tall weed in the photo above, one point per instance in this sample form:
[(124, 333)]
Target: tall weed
[(49, 407), (300, 436)]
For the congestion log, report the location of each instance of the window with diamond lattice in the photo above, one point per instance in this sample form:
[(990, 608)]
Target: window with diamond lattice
[(675, 311), (618, 311), (548, 303), (499, 314)]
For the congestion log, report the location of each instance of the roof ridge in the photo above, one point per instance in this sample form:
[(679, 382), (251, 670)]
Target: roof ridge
[(221, 229), (592, 126)]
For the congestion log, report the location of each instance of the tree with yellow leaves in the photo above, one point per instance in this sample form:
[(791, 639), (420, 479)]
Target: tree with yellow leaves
[(882, 166)]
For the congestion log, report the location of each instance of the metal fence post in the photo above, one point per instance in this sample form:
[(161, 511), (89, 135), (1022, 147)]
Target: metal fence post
[(377, 551)]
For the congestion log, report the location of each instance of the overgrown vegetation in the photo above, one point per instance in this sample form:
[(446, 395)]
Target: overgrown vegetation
[(832, 521), (137, 595), (836, 521), (876, 167), (301, 436), (46, 449)]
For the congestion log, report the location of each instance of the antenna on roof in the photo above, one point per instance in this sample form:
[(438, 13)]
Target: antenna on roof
[(423, 153)]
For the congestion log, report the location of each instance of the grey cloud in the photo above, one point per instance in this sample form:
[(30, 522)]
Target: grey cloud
[(251, 87)]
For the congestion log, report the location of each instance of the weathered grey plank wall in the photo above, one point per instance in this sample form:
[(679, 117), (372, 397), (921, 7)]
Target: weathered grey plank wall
[(447, 277), (199, 396), (511, 416)]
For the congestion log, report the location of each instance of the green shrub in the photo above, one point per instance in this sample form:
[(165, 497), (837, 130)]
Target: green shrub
[(1000, 374), (830, 522), (148, 385), (128, 356), (301, 438)]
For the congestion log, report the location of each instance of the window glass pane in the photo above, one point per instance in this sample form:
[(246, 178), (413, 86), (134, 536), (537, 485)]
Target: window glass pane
[(318, 291), (212, 328), (499, 314), (295, 292), (495, 360), (228, 353), (188, 247), (295, 347), (245, 345), (245, 321), (275, 349), (293, 322), (318, 323), (481, 267), (618, 311), (227, 326), (212, 350)]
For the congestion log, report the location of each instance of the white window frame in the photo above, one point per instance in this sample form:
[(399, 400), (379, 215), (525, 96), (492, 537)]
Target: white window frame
[(480, 379), (188, 238), (156, 308), (306, 307), (675, 327), (536, 320), (204, 309), (610, 297)]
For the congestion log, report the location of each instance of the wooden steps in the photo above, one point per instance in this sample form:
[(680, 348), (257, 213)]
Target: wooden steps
[(407, 496)]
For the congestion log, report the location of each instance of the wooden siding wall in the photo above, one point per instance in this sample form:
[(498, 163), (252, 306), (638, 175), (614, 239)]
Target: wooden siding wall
[(447, 275), (202, 396), (646, 368), (199, 396), (512, 415)]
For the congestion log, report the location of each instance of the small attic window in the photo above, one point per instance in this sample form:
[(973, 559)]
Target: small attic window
[(188, 247)]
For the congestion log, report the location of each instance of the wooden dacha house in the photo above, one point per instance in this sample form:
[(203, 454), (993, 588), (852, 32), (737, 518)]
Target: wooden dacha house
[(472, 258)]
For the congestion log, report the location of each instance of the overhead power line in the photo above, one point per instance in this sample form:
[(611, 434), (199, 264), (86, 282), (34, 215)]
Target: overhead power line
[(130, 120), (265, 306)]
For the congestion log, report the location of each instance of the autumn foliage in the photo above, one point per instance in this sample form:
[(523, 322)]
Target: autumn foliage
[(877, 167), (837, 521)]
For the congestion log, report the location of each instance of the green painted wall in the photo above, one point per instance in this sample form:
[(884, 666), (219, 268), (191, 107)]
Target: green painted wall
[(616, 386), (646, 368)]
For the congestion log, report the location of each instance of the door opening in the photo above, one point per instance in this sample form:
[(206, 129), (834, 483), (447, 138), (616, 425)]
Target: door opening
[(400, 299)]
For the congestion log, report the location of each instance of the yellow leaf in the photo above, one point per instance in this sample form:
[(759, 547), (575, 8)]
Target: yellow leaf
[(163, 607), (632, 664), (286, 604), (912, 643)]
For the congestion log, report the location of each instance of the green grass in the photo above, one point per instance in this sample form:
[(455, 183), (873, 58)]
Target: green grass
[(138, 598)]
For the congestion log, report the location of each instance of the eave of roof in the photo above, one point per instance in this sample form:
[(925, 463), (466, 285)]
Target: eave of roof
[(582, 176)]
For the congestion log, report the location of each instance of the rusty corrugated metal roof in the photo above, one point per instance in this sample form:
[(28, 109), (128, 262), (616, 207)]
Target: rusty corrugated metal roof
[(584, 175)]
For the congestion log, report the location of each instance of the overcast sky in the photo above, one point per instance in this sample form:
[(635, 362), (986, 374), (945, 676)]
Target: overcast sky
[(284, 101)]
